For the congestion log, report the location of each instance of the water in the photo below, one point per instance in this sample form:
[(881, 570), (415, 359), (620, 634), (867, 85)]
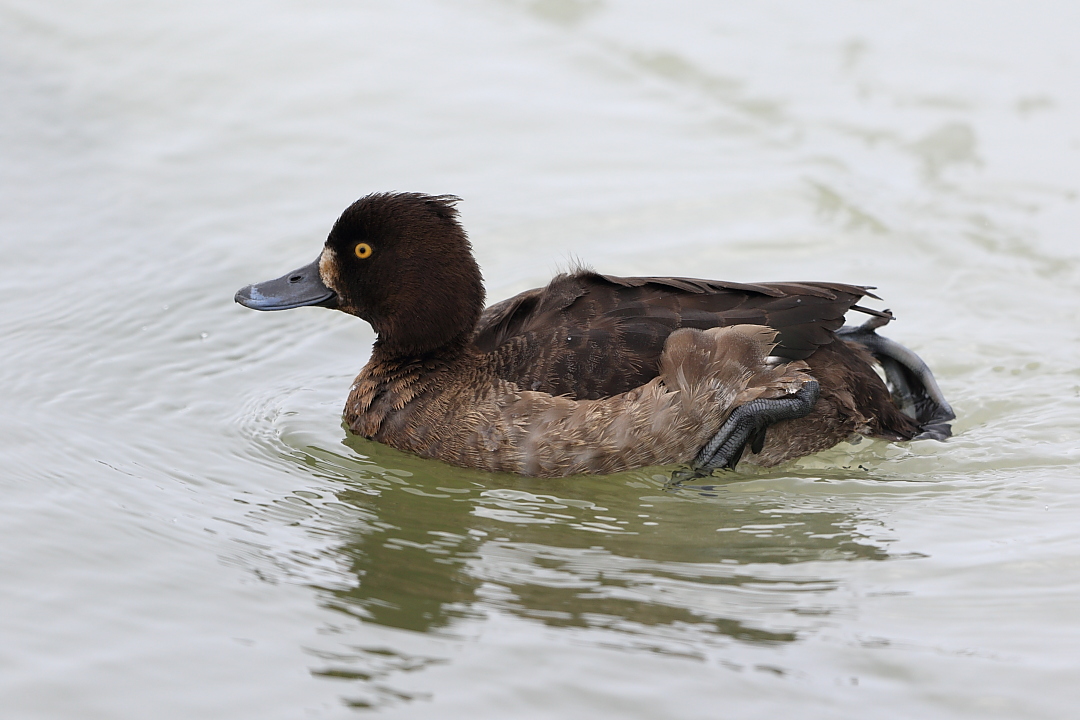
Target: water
[(188, 532)]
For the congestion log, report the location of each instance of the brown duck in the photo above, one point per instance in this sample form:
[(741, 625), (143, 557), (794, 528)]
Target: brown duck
[(594, 373)]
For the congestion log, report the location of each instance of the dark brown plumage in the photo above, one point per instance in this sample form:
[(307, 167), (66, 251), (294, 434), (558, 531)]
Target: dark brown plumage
[(590, 336), (592, 373)]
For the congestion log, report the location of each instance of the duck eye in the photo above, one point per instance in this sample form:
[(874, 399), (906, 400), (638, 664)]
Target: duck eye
[(363, 251)]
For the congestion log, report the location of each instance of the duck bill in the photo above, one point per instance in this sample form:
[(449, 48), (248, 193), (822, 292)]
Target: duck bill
[(301, 287)]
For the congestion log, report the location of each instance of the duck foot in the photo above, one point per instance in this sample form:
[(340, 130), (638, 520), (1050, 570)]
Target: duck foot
[(747, 425), (678, 477), (910, 381)]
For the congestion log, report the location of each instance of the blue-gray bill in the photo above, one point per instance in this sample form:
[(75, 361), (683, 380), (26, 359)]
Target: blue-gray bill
[(300, 288)]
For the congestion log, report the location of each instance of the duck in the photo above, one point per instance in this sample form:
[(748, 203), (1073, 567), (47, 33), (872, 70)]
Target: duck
[(593, 373)]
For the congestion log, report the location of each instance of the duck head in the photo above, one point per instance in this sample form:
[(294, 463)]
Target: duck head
[(400, 261)]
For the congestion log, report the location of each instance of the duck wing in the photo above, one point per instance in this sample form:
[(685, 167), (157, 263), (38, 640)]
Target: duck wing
[(589, 336)]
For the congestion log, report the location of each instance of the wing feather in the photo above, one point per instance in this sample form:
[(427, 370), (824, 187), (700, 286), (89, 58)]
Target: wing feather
[(588, 335)]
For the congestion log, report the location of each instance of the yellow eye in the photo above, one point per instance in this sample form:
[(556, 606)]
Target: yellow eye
[(363, 251)]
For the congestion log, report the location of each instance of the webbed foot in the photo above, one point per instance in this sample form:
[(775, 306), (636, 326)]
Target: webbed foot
[(747, 425), (910, 381), (683, 474)]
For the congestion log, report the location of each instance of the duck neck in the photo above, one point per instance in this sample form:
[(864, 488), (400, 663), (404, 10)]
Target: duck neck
[(389, 354), (428, 313)]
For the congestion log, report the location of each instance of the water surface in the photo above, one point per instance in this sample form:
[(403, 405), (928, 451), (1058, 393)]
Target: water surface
[(189, 532)]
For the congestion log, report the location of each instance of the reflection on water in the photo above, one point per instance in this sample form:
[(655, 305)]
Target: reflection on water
[(628, 560)]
